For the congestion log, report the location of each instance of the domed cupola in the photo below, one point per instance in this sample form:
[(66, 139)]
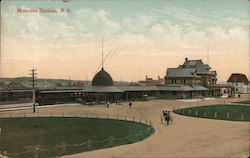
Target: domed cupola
[(102, 78)]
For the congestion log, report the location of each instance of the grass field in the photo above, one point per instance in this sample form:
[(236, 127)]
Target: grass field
[(221, 112), (20, 135), (244, 102)]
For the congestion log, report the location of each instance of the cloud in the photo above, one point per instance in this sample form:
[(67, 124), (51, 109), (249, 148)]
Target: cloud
[(95, 21), (132, 39), (235, 21), (34, 26), (171, 35), (138, 23), (80, 34), (181, 14), (233, 39)]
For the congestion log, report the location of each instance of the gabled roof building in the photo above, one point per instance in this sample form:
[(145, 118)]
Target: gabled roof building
[(238, 78), (192, 72), (193, 78), (240, 82)]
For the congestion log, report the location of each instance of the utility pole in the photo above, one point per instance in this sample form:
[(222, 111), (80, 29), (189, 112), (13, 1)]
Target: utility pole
[(69, 82), (33, 76)]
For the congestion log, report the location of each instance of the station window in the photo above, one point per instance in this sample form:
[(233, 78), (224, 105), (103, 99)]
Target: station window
[(174, 93)]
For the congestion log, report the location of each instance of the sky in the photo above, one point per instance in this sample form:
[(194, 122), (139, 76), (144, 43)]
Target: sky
[(140, 37)]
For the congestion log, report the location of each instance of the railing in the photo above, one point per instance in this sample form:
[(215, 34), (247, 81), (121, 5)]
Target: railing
[(88, 145), (100, 116), (213, 115)]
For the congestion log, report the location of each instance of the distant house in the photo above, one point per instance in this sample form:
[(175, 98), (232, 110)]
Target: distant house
[(151, 82), (240, 82)]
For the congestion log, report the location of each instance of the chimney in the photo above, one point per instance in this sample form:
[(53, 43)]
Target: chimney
[(186, 59)]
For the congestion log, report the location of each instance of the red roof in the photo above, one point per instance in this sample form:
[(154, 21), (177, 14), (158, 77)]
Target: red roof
[(238, 77)]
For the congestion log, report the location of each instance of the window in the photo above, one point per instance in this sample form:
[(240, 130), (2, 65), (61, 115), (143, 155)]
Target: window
[(174, 93), (184, 81), (173, 81)]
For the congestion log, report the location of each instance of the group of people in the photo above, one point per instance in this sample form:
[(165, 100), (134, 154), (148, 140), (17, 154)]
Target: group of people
[(130, 104)]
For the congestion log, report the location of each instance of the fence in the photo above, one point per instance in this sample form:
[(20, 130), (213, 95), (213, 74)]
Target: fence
[(100, 116), (221, 115), (88, 145)]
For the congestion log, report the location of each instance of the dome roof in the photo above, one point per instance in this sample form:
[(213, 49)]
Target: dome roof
[(102, 78)]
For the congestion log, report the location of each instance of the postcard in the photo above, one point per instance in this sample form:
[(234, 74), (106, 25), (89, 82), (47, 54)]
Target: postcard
[(124, 79)]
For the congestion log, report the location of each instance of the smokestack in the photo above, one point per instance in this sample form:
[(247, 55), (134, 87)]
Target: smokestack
[(186, 59)]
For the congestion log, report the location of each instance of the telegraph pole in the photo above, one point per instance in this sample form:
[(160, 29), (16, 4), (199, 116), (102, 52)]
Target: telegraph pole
[(33, 76), (69, 81)]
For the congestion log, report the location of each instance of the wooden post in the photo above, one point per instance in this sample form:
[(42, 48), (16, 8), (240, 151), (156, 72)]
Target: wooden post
[(64, 148), (215, 114), (34, 100), (89, 144), (36, 151), (205, 114), (111, 141)]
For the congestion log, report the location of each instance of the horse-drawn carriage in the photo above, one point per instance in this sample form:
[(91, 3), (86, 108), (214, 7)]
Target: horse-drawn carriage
[(166, 117)]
